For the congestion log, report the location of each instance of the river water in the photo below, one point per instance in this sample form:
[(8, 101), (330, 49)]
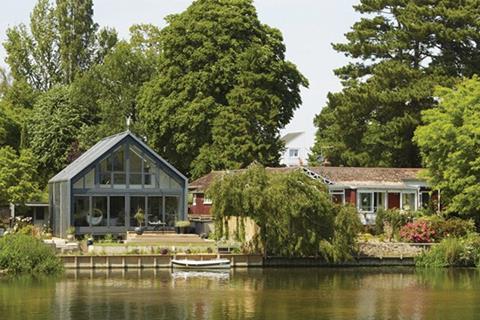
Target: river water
[(371, 293)]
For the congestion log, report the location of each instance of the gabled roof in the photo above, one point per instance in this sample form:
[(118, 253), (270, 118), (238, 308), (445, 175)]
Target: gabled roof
[(290, 136), (98, 150), (361, 176), (341, 176)]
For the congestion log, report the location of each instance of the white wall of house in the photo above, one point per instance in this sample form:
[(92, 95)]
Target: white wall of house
[(297, 148)]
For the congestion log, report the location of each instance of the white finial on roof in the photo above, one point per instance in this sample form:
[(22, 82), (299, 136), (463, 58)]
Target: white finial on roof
[(129, 121)]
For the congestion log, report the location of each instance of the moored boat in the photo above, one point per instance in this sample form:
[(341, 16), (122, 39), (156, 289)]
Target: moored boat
[(201, 264)]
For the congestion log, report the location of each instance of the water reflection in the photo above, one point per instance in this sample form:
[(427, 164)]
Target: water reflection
[(373, 293)]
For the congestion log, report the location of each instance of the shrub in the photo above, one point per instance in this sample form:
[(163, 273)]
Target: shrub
[(394, 218), (460, 252), (418, 232), (455, 227), (343, 245), (108, 238), (182, 224), (21, 253)]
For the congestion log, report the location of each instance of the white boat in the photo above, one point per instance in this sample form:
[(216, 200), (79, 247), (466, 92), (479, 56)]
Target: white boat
[(201, 264)]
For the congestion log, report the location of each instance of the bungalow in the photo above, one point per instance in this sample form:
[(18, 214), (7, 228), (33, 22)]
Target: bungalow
[(101, 191), (368, 189)]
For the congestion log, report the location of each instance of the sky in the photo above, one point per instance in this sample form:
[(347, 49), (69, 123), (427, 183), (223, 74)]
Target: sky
[(309, 28)]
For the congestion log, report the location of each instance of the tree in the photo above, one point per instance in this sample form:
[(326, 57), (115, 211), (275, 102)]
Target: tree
[(293, 211), (107, 92), (53, 130), (17, 176), (223, 89), (61, 42), (400, 50), (450, 147)]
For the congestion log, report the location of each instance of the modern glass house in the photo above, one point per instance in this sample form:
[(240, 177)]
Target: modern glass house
[(101, 191)]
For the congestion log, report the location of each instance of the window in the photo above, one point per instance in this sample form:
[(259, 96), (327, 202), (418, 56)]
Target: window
[(194, 199), (372, 201), (408, 201), (136, 204), (154, 209), (379, 200), (81, 210), (338, 196), (90, 179), (171, 210), (105, 172), (39, 213), (98, 217), (425, 199), (207, 200), (293, 153), (366, 201), (78, 184), (117, 212)]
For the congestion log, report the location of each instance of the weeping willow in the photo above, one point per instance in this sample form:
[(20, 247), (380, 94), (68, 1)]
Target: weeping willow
[(294, 212)]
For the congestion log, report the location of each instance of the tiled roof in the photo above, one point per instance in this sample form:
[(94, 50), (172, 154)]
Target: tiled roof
[(368, 176), (345, 176)]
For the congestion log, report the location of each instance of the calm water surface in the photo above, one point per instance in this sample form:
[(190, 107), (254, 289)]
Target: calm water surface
[(254, 294)]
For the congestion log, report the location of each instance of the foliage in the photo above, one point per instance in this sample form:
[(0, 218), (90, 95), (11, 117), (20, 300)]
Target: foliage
[(418, 232), (108, 238), (17, 176), (393, 218), (223, 90), (139, 216), (21, 253), (293, 211), (61, 41), (400, 50), (71, 230), (344, 243), (452, 252), (449, 144), (450, 226), (53, 127), (182, 224), (107, 92)]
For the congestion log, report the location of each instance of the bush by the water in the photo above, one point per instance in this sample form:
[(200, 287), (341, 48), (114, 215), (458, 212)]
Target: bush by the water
[(20, 253), (344, 244), (393, 218), (452, 252)]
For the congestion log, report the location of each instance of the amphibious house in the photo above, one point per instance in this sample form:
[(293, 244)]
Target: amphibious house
[(101, 191)]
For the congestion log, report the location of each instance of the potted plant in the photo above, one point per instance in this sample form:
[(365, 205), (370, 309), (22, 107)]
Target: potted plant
[(140, 217), (71, 233), (182, 225)]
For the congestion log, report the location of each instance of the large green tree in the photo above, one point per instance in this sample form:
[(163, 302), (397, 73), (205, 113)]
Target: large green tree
[(400, 50), (223, 91), (450, 146), (108, 91), (53, 129), (17, 176), (61, 41)]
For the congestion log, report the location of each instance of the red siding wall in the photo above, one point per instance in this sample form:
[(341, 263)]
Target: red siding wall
[(393, 200), (351, 197), (199, 208)]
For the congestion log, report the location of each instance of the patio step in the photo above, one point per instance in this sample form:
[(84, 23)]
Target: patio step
[(159, 237)]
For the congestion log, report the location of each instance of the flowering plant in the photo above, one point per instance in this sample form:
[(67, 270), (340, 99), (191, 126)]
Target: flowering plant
[(417, 232)]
